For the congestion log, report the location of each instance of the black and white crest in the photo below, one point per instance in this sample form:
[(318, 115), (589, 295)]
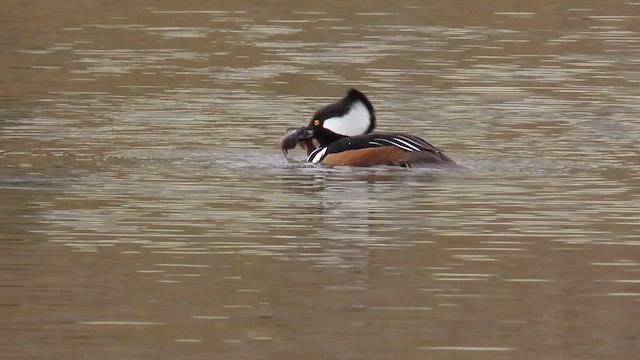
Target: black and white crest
[(352, 115)]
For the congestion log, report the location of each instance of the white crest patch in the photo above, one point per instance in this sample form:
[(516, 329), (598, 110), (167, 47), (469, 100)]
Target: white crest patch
[(355, 122)]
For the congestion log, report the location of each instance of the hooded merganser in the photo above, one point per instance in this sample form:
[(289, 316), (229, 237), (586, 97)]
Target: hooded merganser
[(344, 132)]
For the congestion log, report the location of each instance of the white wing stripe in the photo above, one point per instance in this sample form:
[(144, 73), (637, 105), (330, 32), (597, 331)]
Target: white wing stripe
[(401, 146), (406, 143), (411, 141)]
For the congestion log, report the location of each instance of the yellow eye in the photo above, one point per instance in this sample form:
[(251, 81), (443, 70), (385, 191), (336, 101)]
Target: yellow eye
[(316, 122)]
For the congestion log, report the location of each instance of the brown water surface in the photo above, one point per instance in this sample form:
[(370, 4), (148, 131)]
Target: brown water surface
[(146, 212)]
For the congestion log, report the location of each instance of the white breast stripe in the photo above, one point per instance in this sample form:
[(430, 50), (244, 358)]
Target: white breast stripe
[(317, 155), (355, 122), (403, 147)]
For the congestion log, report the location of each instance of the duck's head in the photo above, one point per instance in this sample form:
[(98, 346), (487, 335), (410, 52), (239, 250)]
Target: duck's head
[(350, 116)]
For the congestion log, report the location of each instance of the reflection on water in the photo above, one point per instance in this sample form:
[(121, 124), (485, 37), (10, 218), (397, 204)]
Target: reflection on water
[(147, 210)]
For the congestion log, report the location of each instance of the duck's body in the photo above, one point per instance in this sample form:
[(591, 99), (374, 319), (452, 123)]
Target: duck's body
[(379, 149), (344, 132)]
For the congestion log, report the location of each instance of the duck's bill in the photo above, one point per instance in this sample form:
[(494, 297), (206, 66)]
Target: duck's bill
[(295, 136)]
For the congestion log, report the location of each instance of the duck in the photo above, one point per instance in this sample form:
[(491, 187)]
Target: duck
[(344, 131)]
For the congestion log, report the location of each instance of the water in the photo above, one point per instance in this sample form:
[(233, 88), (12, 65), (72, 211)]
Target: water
[(147, 212)]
